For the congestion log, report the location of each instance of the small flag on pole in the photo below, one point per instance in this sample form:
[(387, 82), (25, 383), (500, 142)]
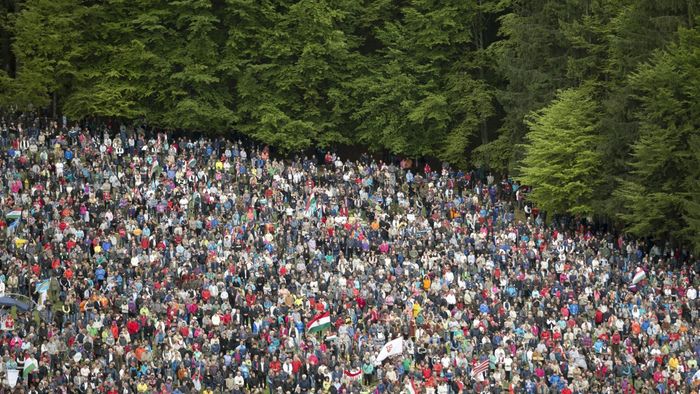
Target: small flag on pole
[(330, 338), (319, 323), (311, 205), (479, 368), (29, 367), (14, 215), (353, 375), (43, 286), (639, 276)]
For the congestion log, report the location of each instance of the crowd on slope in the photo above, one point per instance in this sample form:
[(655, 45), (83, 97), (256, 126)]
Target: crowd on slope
[(163, 265)]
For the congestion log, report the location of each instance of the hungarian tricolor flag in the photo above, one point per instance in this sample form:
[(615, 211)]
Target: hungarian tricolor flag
[(310, 208), (639, 276), (14, 215), (354, 374), (30, 365), (319, 322)]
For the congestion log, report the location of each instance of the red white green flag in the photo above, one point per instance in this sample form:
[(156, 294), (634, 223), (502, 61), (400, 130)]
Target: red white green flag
[(319, 322)]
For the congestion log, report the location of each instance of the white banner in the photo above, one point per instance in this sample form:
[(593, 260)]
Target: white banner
[(12, 376), (391, 348)]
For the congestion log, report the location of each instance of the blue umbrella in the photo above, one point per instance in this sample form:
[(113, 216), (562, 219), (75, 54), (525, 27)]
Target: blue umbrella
[(10, 302)]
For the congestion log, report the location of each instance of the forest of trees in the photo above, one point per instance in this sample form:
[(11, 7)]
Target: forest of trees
[(592, 102)]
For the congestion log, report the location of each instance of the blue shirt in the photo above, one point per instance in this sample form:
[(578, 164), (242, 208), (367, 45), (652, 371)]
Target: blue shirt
[(573, 309), (598, 346)]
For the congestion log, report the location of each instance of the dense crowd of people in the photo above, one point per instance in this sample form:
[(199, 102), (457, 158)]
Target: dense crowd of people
[(172, 265)]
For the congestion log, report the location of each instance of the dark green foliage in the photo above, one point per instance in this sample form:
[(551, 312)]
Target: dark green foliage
[(47, 46), (531, 58), (422, 95), (292, 63), (661, 193), (464, 81)]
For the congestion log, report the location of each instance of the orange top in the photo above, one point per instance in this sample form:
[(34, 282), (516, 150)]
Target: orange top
[(139, 353)]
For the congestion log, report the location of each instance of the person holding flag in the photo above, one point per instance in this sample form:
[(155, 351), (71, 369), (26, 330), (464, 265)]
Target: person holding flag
[(15, 214), (319, 323), (30, 365), (479, 369), (42, 289), (310, 208), (391, 348), (410, 386), (12, 372), (639, 275)]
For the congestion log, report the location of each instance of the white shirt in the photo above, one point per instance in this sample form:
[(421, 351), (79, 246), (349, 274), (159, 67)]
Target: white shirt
[(508, 362), (499, 353), (449, 277)]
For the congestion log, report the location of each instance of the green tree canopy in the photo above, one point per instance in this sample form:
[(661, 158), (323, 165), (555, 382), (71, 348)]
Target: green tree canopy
[(421, 96), (660, 195), (562, 161), (470, 82)]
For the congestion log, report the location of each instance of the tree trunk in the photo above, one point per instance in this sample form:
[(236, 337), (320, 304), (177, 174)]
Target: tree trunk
[(480, 44)]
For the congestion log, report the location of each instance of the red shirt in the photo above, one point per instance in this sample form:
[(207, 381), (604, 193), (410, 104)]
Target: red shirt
[(276, 366), (313, 360), (598, 316), (250, 299), (133, 327), (616, 338), (184, 331), (545, 335)]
